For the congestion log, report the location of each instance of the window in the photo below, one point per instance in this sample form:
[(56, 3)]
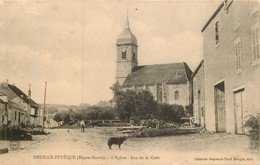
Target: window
[(15, 115), (216, 32), (236, 17), (3, 118), (124, 53), (238, 53), (176, 95), (134, 54), (255, 44)]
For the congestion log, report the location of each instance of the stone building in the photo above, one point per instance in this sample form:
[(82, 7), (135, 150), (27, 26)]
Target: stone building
[(169, 83), (231, 65), (12, 112), (198, 95), (20, 109)]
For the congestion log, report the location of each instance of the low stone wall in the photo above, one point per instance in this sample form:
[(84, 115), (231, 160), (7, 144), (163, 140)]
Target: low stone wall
[(165, 132)]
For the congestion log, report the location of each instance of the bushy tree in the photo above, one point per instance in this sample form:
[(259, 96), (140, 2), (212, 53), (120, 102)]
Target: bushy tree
[(135, 104), (63, 116), (189, 110), (253, 124), (126, 104), (171, 113), (57, 117)]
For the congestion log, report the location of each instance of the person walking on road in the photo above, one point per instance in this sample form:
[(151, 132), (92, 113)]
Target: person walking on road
[(82, 124)]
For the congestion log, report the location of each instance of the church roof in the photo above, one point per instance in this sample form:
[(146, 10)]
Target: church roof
[(175, 73), (126, 37)]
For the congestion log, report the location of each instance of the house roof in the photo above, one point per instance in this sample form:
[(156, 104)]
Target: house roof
[(174, 73), (213, 16), (197, 69), (12, 92), (23, 96), (16, 106), (6, 91)]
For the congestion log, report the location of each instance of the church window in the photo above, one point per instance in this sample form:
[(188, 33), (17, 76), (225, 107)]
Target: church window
[(159, 93), (176, 95), (134, 54), (124, 53)]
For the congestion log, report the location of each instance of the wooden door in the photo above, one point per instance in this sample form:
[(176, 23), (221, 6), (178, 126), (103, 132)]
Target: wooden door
[(239, 111)]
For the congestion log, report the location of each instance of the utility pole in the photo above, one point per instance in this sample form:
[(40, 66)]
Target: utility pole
[(44, 105)]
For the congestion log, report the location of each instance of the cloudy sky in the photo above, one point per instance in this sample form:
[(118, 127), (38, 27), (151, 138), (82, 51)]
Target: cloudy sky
[(71, 44)]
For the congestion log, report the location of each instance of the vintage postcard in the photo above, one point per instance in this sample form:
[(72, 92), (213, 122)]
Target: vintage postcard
[(129, 82)]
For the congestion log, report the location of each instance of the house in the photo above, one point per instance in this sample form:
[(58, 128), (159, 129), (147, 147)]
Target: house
[(11, 112), (231, 65), (32, 106), (19, 100), (3, 110), (169, 83), (199, 95)]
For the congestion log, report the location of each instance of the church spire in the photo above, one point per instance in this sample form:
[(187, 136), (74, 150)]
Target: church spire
[(127, 27)]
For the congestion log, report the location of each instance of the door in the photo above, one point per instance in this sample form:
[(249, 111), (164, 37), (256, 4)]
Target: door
[(220, 111), (239, 111), (199, 108)]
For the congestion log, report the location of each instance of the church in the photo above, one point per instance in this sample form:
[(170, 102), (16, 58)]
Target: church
[(169, 83)]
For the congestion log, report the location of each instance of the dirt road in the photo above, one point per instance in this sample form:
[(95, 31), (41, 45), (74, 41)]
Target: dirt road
[(64, 146)]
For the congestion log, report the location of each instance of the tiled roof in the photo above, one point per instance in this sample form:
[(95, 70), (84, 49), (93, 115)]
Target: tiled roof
[(22, 95), (12, 92), (175, 73)]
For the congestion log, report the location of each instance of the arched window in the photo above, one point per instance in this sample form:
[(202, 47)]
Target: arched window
[(133, 54), (176, 95), (124, 53)]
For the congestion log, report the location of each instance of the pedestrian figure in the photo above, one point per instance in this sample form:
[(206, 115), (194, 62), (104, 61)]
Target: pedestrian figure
[(157, 125), (82, 124)]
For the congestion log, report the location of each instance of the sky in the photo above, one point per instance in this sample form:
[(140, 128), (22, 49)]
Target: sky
[(71, 44)]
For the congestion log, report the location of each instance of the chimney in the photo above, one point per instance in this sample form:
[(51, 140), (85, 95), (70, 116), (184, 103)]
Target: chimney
[(29, 91), (7, 81), (13, 84)]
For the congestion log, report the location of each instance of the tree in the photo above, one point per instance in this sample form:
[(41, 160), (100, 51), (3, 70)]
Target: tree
[(102, 103), (189, 110), (171, 113), (57, 117), (65, 117), (126, 105), (140, 105)]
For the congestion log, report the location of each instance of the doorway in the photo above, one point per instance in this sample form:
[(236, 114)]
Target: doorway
[(239, 111), (220, 111)]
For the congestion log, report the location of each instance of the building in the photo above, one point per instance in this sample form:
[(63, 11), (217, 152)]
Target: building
[(32, 106), (11, 112), (169, 83), (20, 105), (199, 95), (231, 65)]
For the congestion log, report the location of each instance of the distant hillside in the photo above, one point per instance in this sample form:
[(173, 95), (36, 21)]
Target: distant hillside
[(53, 108)]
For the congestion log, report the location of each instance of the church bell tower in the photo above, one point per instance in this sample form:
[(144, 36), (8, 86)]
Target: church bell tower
[(127, 53)]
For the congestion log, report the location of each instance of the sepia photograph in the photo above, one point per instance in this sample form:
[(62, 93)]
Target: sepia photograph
[(129, 82)]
